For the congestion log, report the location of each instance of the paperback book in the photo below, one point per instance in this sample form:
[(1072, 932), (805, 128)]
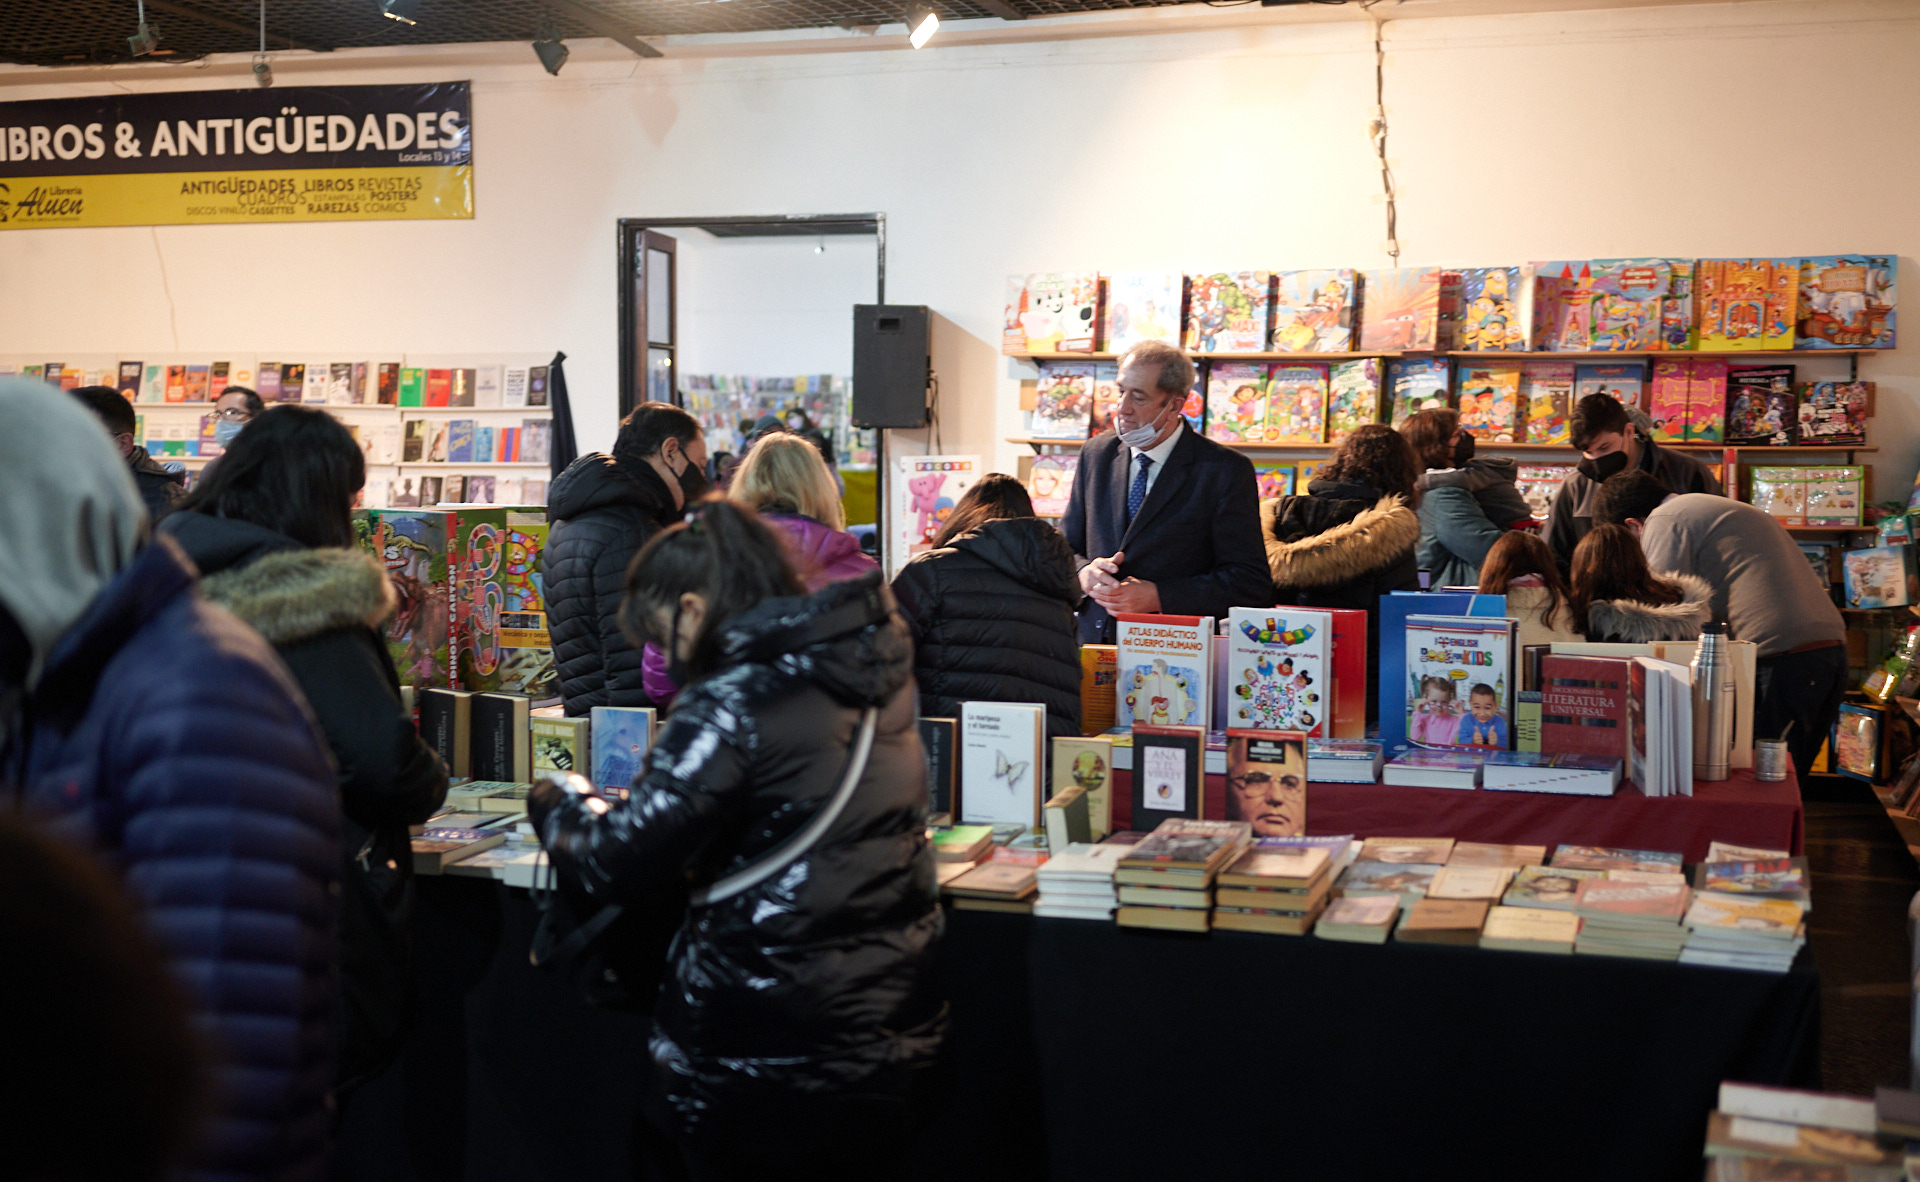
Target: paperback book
[(1297, 404), (1164, 664), (1237, 402), (621, 737), (1416, 384), (1546, 391), (1062, 401), (1002, 761), (1267, 781)]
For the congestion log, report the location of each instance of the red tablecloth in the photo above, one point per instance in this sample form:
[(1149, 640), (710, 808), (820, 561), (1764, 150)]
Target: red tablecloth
[(1741, 810)]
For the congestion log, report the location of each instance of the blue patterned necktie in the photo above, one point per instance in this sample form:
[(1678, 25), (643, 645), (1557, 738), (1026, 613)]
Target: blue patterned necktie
[(1138, 492)]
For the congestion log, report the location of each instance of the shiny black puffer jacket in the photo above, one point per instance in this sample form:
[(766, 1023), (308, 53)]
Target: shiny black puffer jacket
[(797, 1012), (602, 511), (992, 617)]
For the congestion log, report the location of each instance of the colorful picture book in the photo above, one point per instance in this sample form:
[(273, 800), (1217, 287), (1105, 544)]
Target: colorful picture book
[(1761, 408), (1459, 682), (1274, 479), (1237, 402), (1062, 401), (1490, 402), (1353, 396), (1061, 312), (1847, 302), (1746, 304), (1313, 311), (1876, 577), (1164, 666), (1834, 413), (1624, 383), (1546, 394), (1297, 404), (1228, 312), (1492, 310), (921, 497), (1049, 482), (1562, 313), (620, 737), (1629, 299), (1416, 384), (1401, 310), (1143, 306), (1279, 669)]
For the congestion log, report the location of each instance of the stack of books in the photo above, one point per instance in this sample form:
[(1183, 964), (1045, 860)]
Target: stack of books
[(1166, 881), (1760, 1133), (1736, 932), (1344, 761), (439, 846), (1077, 882), (1631, 918), (1278, 888), (1444, 921), (1360, 919), (964, 844), (1004, 883), (1480, 853), (1434, 769), (1551, 887), (1530, 929)]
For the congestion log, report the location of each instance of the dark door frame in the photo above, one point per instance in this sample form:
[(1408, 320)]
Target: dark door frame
[(633, 352)]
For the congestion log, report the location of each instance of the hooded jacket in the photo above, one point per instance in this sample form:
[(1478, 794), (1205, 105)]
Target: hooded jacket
[(319, 609), (1494, 483), (160, 490), (1455, 536), (1627, 621), (602, 510), (797, 1012), (992, 619)]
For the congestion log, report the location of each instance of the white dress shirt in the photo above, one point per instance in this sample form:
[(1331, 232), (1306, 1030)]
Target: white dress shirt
[(1158, 453)]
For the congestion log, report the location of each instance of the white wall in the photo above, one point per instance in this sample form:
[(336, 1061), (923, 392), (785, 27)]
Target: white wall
[(1716, 129), (771, 306)]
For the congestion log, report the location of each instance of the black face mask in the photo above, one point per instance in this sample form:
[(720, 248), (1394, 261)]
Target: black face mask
[(1463, 450), (693, 482), (1607, 465)]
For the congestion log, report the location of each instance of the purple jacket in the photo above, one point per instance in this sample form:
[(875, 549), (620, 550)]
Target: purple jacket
[(821, 554)]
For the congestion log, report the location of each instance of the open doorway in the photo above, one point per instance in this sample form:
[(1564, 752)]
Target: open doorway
[(738, 318)]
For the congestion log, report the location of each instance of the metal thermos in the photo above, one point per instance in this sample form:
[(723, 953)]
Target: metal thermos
[(1713, 691)]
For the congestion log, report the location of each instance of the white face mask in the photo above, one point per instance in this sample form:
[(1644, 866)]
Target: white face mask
[(1146, 433)]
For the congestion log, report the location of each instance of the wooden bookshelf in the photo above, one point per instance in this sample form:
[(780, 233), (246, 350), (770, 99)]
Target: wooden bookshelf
[(1470, 355), (1036, 358), (1482, 444)]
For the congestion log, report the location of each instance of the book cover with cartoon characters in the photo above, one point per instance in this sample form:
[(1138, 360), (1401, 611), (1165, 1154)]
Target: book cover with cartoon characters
[(1279, 669), (412, 545), (1236, 402), (1353, 396), (1313, 311), (1847, 302), (1625, 383), (1273, 479), (1761, 411), (1297, 404), (1013, 325), (1493, 313), (1400, 310), (1143, 306), (1416, 384), (1546, 390), (1706, 399), (1835, 413), (920, 498), (1627, 308), (1490, 402), (1538, 483), (1562, 314), (1062, 311), (1164, 663), (1049, 482), (1062, 401), (1668, 404), (1732, 296), (1460, 682), (1228, 312), (1106, 392)]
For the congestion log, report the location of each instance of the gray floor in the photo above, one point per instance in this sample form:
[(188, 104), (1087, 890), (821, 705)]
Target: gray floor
[(1863, 880)]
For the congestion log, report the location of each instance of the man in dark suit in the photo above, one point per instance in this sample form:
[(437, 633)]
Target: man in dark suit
[(1161, 519)]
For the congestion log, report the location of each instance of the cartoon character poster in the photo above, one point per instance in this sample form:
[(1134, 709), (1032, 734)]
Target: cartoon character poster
[(1279, 669), (1847, 302), (1492, 319), (1236, 402), (1163, 665), (1313, 311), (1459, 688), (920, 497)]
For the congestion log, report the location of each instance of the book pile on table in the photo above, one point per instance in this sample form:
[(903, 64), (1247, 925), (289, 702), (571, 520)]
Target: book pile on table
[(1398, 866), (1077, 882), (1530, 929), (1005, 882), (1344, 761), (1434, 769), (1550, 887), (1762, 1134), (1748, 911), (1167, 880), (1631, 918), (1278, 886), (1359, 919)]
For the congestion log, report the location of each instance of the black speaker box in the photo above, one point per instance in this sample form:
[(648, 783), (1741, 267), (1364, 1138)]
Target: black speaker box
[(892, 365)]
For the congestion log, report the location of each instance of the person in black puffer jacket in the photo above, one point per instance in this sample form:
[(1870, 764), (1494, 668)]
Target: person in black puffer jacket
[(603, 509), (1351, 538), (797, 1021), (991, 607), (269, 530)]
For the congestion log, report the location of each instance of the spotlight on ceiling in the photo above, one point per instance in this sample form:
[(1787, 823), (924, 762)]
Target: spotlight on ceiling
[(552, 53), (144, 39), (262, 70), (922, 24), (400, 10)]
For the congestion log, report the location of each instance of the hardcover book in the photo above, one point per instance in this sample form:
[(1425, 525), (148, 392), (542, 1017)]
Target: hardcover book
[(621, 737), (1400, 310), (1143, 306), (1434, 769), (1002, 760), (1629, 303), (1706, 400), (412, 545), (1297, 404), (1459, 673), (1062, 313), (1847, 302), (1167, 763), (1493, 314), (1279, 669), (501, 750), (1490, 402), (1761, 408), (1106, 392), (1164, 662), (1267, 781), (1353, 396), (1583, 706), (1546, 391), (1062, 401), (1668, 406), (446, 725), (1237, 402), (1625, 383), (1228, 312), (1313, 311), (1532, 771), (1835, 413), (1416, 384), (1562, 314)]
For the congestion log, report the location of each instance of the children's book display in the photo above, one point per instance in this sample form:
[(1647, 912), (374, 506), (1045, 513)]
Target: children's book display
[(1228, 312), (1164, 667), (1279, 670), (1493, 310), (1416, 384), (1297, 404), (1313, 311), (1490, 402), (921, 497), (1401, 310), (1237, 402)]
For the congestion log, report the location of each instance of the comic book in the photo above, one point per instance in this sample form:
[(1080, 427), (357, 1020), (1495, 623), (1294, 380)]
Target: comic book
[(1228, 312), (1834, 413), (1627, 295), (1353, 396), (1493, 317), (1297, 404), (1236, 402), (1313, 311), (1459, 681), (1400, 310), (1626, 383), (1668, 405), (1416, 384), (1562, 315), (921, 497), (1273, 478), (412, 545), (1062, 311), (1847, 302), (1546, 390), (1706, 400), (1142, 306), (1279, 669), (1490, 402), (1062, 401), (1760, 407)]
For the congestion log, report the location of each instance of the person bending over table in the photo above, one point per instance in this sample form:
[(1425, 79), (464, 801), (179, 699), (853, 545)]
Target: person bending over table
[(1162, 519), (1761, 586)]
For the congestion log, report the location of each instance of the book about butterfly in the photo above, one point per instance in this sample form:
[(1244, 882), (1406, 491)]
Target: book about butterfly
[(1297, 404), (1847, 302), (1353, 396), (1490, 402), (1459, 682), (1236, 402), (1279, 669), (1001, 762), (1492, 316), (1313, 311), (1400, 309), (1143, 306), (1546, 391), (1062, 401), (1416, 384), (1228, 311), (1164, 667)]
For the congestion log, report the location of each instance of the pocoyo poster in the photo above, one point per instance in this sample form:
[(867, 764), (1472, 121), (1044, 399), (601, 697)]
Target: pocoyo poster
[(920, 498), (1164, 662), (1278, 676)]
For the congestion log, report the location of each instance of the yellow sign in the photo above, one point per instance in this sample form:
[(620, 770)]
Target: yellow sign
[(194, 198)]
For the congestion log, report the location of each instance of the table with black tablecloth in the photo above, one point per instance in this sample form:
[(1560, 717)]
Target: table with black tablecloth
[(1082, 1050)]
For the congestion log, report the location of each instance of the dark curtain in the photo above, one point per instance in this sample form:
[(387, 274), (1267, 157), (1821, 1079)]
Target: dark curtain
[(565, 448)]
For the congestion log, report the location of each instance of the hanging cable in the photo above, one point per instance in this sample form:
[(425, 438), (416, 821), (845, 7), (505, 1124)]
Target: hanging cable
[(1377, 130)]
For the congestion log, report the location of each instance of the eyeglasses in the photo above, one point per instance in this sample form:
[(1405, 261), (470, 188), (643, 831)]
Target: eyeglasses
[(234, 414)]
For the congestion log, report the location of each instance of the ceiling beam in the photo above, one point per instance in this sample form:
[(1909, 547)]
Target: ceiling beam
[(1002, 9), (175, 8), (604, 25)]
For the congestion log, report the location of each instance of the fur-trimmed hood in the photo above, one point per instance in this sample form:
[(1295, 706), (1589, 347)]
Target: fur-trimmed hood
[(294, 595), (1373, 538), (1630, 622)]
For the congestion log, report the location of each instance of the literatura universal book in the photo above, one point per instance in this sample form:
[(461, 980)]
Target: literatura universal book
[(1228, 312), (1313, 311), (1460, 681), (1279, 669), (1002, 763), (1164, 662)]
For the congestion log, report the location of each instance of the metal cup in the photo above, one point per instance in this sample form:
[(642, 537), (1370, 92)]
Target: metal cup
[(1771, 759)]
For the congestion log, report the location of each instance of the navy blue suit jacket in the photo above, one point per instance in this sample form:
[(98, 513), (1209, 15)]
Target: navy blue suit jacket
[(1196, 537)]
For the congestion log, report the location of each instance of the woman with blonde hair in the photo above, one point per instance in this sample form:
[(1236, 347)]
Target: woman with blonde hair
[(786, 481)]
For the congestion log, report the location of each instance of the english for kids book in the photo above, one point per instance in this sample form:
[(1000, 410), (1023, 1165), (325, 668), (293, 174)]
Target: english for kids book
[(1546, 391), (1297, 404), (1562, 314), (1236, 402), (1490, 402), (1228, 311), (1164, 662), (922, 495), (1400, 310), (1416, 384), (1143, 306), (1847, 302), (1279, 670), (1493, 316), (1459, 688), (1353, 396), (1761, 411), (1062, 311), (1313, 311), (1624, 383), (1062, 401)]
